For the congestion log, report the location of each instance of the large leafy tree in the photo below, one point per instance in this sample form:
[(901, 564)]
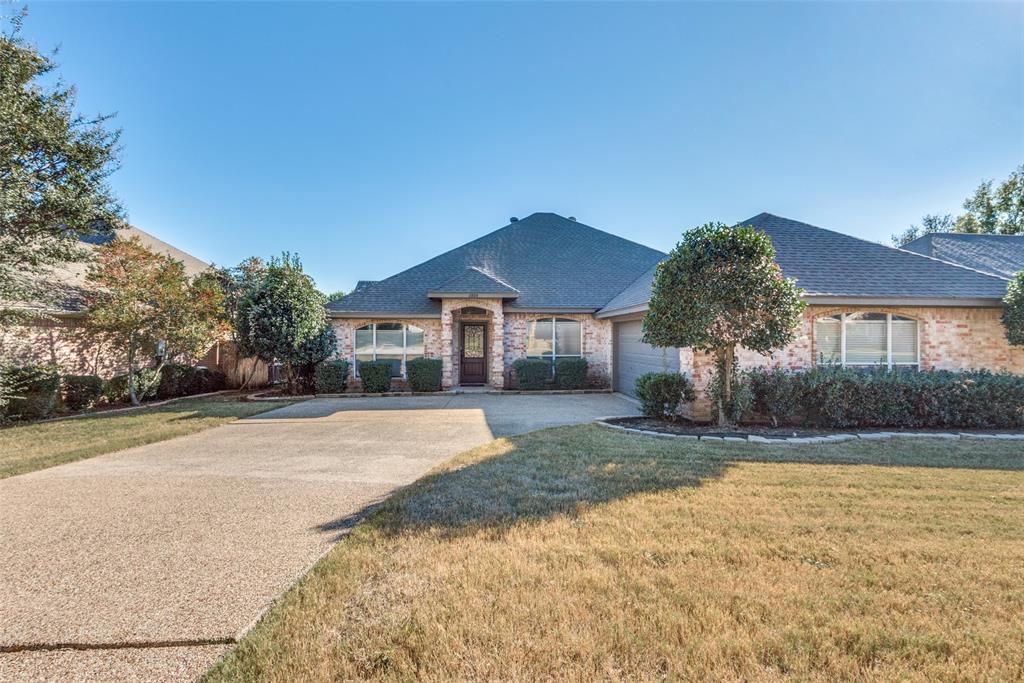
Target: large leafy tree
[(992, 209), (283, 318), (1013, 310), (141, 301), (721, 288), (54, 165)]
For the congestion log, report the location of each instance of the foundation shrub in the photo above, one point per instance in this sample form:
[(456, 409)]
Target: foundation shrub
[(661, 394), (424, 374)]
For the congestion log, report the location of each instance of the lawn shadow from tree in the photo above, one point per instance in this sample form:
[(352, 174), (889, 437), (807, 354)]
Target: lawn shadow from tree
[(566, 470)]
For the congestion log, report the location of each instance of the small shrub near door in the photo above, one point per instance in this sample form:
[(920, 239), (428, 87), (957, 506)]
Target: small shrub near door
[(531, 374), (571, 373), (424, 374), (34, 391), (662, 393), (375, 376), (82, 391), (329, 377)]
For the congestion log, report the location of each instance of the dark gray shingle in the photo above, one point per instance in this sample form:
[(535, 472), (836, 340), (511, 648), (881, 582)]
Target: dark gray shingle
[(553, 262), (997, 254)]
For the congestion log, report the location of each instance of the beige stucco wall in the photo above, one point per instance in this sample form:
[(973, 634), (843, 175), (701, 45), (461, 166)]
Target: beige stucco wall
[(950, 338)]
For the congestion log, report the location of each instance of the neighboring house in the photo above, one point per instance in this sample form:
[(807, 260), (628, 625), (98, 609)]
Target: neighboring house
[(548, 287), (1001, 255), (59, 337)]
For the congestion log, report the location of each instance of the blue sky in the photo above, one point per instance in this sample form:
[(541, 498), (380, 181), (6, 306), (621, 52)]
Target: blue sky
[(368, 137)]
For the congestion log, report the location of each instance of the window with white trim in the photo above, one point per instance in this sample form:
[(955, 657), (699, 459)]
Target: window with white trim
[(867, 340), (552, 338), (396, 343)]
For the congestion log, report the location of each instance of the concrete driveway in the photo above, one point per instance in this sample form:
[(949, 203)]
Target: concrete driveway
[(148, 563)]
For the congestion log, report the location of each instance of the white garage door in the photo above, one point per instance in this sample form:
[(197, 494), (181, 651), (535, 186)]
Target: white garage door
[(633, 357)]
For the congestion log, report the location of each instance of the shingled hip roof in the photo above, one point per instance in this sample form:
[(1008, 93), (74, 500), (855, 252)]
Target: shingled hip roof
[(835, 268), (543, 262), (1001, 255)]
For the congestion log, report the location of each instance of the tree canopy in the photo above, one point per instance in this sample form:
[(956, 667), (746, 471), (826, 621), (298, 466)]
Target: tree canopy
[(721, 288), (990, 210), (141, 301), (54, 165), (1013, 310), (283, 318)]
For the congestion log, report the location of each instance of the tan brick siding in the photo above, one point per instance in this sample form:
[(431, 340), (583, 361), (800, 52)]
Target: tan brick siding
[(345, 331), (949, 339), (596, 348)]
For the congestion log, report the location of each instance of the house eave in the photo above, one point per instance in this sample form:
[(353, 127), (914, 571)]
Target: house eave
[(472, 295), (834, 300), (381, 315)]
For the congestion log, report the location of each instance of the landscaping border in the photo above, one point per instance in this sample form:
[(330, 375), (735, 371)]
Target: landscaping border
[(259, 396), (112, 411), (838, 437)]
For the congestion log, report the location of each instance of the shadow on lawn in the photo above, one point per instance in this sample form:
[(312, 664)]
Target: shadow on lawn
[(562, 471)]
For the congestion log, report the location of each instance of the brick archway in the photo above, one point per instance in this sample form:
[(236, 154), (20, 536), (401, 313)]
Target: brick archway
[(451, 315)]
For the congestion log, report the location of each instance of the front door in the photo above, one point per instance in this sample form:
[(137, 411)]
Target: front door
[(473, 360)]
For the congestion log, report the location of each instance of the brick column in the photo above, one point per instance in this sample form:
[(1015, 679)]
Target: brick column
[(447, 381), (497, 372)]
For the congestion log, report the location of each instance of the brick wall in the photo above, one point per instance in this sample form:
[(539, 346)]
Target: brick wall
[(345, 331), (949, 339), (597, 343)]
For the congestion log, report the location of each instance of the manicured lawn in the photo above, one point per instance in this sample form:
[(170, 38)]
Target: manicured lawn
[(579, 553), (33, 447)]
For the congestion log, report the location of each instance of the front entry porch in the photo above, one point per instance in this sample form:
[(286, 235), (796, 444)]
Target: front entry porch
[(472, 350)]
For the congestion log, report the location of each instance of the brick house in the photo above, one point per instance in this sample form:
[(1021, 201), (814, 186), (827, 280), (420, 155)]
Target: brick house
[(548, 287), (59, 337)]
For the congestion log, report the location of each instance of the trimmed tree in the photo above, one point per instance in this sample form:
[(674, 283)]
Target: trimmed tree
[(1013, 310), (142, 301), (54, 165), (721, 288), (283, 318)]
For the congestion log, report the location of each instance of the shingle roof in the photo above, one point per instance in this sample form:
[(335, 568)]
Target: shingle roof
[(997, 254), (830, 264), (70, 277), (473, 280), (554, 263)]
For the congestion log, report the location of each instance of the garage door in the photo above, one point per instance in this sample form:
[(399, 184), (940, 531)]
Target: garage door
[(633, 357)]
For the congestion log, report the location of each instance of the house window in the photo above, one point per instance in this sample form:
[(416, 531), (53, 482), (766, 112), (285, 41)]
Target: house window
[(867, 340), (394, 342), (552, 338)]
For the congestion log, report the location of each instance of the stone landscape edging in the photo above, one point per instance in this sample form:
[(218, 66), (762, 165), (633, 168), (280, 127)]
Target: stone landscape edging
[(838, 437)]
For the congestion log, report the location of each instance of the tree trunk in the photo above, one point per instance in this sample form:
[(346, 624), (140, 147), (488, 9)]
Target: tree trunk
[(132, 394), (726, 355)]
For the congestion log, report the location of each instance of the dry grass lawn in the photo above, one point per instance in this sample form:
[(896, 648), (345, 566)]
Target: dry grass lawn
[(583, 554), (25, 448)]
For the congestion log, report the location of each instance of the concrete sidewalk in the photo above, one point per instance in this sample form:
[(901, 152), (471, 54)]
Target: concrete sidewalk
[(151, 561)]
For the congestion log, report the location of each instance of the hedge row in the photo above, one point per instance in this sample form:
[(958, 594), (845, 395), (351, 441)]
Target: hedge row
[(838, 397), (533, 373), (35, 390)]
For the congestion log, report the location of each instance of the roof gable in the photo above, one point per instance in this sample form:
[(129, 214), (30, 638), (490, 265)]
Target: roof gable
[(1001, 255), (554, 263)]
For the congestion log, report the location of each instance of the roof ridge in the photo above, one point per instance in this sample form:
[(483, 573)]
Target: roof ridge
[(879, 244)]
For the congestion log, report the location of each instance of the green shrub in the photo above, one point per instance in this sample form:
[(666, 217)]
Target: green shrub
[(178, 379), (146, 383), (531, 373), (82, 391), (662, 393), (571, 373), (34, 391), (376, 376), (329, 376), (838, 397), (424, 374)]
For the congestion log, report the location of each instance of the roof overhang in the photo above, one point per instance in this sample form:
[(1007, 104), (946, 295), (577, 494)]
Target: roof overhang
[(549, 309), (381, 315), (472, 295), (832, 300)]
